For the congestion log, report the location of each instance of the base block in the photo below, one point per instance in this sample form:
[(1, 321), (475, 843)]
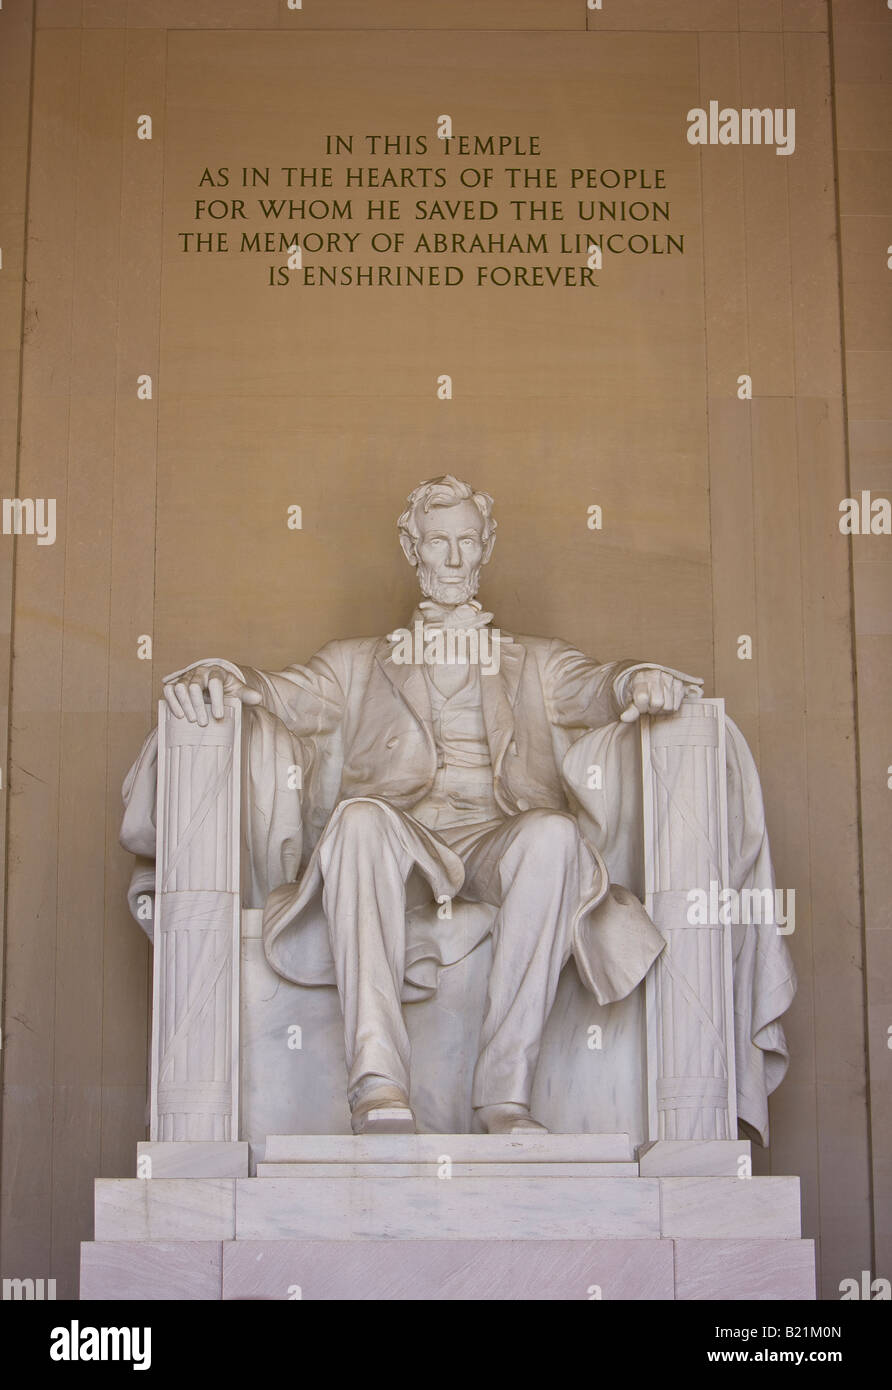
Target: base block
[(445, 1270), (192, 1158), (438, 1270), (456, 1208), (434, 1217), (744, 1270), (689, 1158), (152, 1270)]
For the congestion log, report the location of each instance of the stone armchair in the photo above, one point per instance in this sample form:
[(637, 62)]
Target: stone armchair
[(239, 1053)]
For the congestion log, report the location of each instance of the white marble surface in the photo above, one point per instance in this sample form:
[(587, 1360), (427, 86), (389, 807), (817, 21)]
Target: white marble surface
[(679, 1158), (149, 1270), (446, 1270), (164, 1209), (505, 1204), (690, 1000), (444, 1208), (193, 1159), (744, 1270), (461, 1148), (459, 1170), (196, 928), (738, 1207)]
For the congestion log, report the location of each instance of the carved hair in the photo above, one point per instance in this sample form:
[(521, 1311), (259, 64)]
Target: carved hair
[(444, 492)]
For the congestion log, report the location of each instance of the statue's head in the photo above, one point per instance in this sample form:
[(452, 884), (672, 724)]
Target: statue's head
[(448, 532)]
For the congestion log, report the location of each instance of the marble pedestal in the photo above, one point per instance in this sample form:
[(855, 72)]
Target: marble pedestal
[(418, 1217)]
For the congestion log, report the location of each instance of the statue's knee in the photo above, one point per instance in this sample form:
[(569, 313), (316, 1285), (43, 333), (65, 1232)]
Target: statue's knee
[(550, 835), (362, 818)]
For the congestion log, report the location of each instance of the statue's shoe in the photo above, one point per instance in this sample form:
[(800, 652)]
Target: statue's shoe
[(507, 1119), (382, 1110)]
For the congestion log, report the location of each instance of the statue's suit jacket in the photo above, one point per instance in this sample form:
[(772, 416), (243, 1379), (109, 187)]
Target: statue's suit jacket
[(375, 716)]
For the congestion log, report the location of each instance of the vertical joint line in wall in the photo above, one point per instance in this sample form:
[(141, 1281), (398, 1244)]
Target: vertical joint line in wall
[(706, 377), (61, 762), (751, 432), (831, 8), (808, 798), (158, 369), (14, 560), (152, 711), (122, 67)]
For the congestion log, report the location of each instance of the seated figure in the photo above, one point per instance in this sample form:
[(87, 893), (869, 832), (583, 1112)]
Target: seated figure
[(433, 763)]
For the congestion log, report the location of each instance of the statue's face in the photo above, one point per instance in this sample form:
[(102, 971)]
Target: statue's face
[(450, 552)]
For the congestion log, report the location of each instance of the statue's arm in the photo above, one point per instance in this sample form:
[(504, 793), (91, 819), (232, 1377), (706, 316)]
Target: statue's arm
[(582, 693), (308, 699)]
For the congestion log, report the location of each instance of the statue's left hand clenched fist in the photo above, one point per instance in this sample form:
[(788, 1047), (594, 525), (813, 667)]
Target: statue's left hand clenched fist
[(654, 690)]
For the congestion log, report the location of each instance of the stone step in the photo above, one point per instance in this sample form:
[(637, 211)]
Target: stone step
[(461, 1148), (444, 1270), (435, 1208), (691, 1158), (516, 1169)]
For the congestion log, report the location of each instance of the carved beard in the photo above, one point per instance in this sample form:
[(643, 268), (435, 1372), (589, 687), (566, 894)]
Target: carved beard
[(451, 594)]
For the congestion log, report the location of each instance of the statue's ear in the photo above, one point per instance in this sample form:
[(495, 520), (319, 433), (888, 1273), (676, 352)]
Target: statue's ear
[(487, 548), (408, 548)]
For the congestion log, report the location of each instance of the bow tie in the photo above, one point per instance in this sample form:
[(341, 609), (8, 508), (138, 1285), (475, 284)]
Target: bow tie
[(464, 615)]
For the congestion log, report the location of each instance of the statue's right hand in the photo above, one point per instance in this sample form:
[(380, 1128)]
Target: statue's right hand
[(187, 691)]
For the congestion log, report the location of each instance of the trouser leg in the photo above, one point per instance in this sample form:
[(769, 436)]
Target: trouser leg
[(365, 868), (535, 870)]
